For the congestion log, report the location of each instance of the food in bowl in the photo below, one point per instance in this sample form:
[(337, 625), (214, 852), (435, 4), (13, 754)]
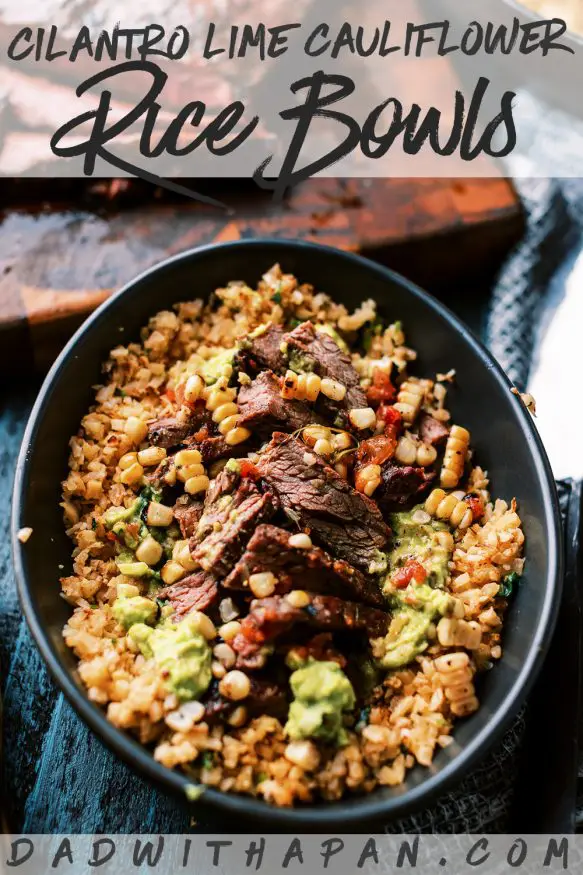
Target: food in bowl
[(287, 568)]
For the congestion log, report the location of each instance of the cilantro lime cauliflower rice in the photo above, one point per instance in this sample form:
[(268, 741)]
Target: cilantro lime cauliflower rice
[(287, 568)]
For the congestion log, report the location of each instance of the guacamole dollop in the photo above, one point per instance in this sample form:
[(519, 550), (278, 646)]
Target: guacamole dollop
[(212, 368), (135, 609), (414, 540), (418, 605), (181, 652), (322, 692)]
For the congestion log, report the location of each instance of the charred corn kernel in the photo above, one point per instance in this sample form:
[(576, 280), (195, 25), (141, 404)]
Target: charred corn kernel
[(218, 669), (409, 400), (193, 388), (367, 479), (181, 554), (362, 417), (132, 475), (444, 539), (217, 397), (323, 447), (451, 662), (465, 707), (303, 754), (298, 598), (332, 389), (185, 717), (197, 484), (133, 569), (187, 457), (433, 501), (406, 451), (262, 584), (289, 385), (229, 630), (342, 441), (426, 454), (456, 451), (149, 551), (446, 506), (136, 429), (128, 460), (238, 717), (313, 387), (184, 474), (314, 433), (159, 514), (459, 693), (151, 456), (342, 469), (237, 436), (170, 476), (225, 654), (172, 572), (228, 424), (235, 685), (225, 410), (301, 541), (202, 624)]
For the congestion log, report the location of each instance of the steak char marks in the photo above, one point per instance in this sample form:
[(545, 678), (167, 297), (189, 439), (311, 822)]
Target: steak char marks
[(316, 498), (263, 410), (271, 617), (234, 506), (401, 486), (313, 570), (311, 350), (262, 352), (197, 592)]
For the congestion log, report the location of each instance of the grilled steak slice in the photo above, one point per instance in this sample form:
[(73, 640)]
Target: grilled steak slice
[(262, 352), (311, 350), (432, 430), (197, 592), (188, 511), (273, 616), (315, 497), (265, 697), (214, 448), (171, 431), (313, 570), (263, 410), (233, 507), (401, 485)]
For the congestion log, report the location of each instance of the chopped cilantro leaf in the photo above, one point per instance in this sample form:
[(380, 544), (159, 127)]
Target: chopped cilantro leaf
[(507, 586)]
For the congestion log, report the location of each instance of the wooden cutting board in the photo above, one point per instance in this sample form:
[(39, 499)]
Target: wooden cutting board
[(58, 261)]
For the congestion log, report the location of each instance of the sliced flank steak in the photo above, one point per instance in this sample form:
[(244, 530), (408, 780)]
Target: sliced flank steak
[(317, 498), (271, 617), (315, 351), (401, 486), (197, 592), (262, 351), (172, 431), (431, 430), (313, 570), (187, 512), (263, 410), (265, 697), (234, 506)]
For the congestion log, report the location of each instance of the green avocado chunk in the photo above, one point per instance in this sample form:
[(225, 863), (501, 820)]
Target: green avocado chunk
[(136, 609), (181, 652), (321, 693), (212, 368), (418, 605)]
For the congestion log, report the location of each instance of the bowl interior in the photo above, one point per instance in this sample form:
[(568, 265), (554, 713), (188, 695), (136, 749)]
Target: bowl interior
[(505, 441)]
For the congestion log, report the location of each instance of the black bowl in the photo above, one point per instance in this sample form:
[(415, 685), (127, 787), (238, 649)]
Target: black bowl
[(506, 442)]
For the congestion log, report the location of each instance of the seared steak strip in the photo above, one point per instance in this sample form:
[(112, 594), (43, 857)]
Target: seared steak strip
[(313, 570), (188, 511), (263, 410), (171, 431), (315, 497), (265, 697), (262, 351), (431, 430), (233, 507), (273, 616), (401, 485), (311, 350), (197, 592)]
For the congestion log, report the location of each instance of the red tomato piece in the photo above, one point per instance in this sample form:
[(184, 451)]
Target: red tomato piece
[(382, 389), (411, 570)]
